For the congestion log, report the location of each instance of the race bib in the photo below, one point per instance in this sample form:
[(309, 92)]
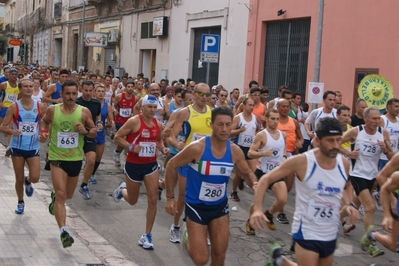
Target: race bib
[(125, 112), (246, 140), (67, 140), (11, 97), (212, 192), (148, 149), (320, 211), (368, 149), (271, 166), (197, 136), (27, 128), (394, 145)]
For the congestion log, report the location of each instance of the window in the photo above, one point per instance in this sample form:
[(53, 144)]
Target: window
[(57, 10), (146, 30)]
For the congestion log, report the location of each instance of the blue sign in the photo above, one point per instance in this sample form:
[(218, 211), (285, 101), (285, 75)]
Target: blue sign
[(210, 43)]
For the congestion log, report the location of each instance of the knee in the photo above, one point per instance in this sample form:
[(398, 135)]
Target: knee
[(61, 196), (34, 178), (199, 259), (219, 257), (132, 200), (369, 208), (152, 201)]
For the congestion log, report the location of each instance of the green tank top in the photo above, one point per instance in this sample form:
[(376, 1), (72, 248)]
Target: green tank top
[(66, 144)]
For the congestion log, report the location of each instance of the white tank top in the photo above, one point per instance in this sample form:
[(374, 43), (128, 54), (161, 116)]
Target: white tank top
[(393, 130), (266, 164), (317, 114), (318, 200), (38, 97), (300, 115), (108, 95), (246, 138), (366, 165)]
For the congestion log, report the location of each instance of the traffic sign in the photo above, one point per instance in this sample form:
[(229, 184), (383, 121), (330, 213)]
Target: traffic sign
[(210, 48)]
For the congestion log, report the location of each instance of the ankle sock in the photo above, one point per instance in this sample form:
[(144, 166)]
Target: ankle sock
[(279, 260), (83, 185), (63, 229)]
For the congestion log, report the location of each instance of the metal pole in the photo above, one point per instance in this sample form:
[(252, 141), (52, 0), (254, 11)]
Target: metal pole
[(208, 66), (317, 59), (25, 26), (82, 33)]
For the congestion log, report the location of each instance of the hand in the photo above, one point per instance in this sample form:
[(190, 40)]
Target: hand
[(165, 151), (16, 133), (180, 145), (81, 128), (171, 207), (382, 146), (387, 224), (242, 128), (136, 149), (43, 137), (298, 145), (100, 126), (354, 154), (59, 100), (310, 134), (353, 213), (258, 220), (268, 152)]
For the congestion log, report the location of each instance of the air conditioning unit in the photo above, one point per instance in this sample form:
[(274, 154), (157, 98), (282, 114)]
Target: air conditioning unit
[(113, 36)]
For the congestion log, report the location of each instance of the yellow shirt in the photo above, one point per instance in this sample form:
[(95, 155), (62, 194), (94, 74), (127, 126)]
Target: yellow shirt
[(199, 124), (11, 95), (346, 145)]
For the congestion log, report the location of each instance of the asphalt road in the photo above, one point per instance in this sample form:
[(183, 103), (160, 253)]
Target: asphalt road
[(122, 225)]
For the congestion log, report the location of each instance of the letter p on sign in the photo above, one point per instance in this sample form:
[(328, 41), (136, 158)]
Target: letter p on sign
[(210, 43)]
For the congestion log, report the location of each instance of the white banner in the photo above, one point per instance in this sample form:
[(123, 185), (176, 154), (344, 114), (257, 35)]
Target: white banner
[(315, 92), (96, 39)]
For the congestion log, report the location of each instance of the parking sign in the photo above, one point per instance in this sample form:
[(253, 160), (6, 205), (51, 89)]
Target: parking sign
[(210, 48)]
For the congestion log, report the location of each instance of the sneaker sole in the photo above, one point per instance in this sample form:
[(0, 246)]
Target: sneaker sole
[(271, 227), (174, 241), (283, 222), (83, 194), (68, 242), (350, 229), (380, 253), (17, 212)]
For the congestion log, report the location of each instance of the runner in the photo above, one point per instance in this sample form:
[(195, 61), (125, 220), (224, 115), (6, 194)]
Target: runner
[(210, 160), (144, 137), (123, 110), (70, 122), (90, 144), (25, 115), (368, 142), (270, 149), (322, 175), (245, 127), (194, 121), (53, 93), (106, 113)]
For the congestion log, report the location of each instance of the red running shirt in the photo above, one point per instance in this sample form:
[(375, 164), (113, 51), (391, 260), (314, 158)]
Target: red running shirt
[(125, 109)]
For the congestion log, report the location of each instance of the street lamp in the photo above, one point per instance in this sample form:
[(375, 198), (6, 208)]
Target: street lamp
[(82, 42)]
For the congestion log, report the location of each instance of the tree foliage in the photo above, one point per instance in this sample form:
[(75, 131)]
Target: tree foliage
[(3, 44)]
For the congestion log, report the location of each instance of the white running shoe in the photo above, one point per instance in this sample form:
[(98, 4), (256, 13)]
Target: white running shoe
[(174, 234), (376, 198), (146, 241), (117, 158)]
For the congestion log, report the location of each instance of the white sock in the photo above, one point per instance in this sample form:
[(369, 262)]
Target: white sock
[(62, 229), (279, 260)]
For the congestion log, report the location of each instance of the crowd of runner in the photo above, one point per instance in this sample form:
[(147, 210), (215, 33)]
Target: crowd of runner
[(341, 165)]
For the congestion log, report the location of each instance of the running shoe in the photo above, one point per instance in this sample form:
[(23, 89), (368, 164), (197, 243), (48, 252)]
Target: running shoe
[(271, 225), (20, 208), (174, 234), (8, 153), (117, 195), (234, 196), (51, 206), (117, 159), (248, 229), (282, 218), (348, 227), (366, 240), (66, 239), (28, 188), (241, 185), (376, 198), (375, 251), (92, 180), (275, 251), (85, 192), (146, 241), (361, 210)]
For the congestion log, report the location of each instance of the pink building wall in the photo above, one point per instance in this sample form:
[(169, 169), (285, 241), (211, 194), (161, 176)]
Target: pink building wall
[(356, 34)]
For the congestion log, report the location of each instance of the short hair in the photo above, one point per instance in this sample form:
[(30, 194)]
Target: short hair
[(325, 94), (328, 126), (99, 85), (236, 89), (22, 81), (178, 90), (69, 83), (246, 100), (342, 108), (254, 89), (305, 107), (115, 79), (184, 92), (264, 89), (182, 81), (131, 82), (296, 94), (367, 111), (392, 101), (223, 110), (252, 82), (282, 87), (285, 92), (108, 76), (92, 76), (358, 101), (88, 83), (269, 111), (64, 72)]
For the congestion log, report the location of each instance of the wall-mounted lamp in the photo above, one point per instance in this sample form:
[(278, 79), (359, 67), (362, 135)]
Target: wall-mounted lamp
[(281, 12)]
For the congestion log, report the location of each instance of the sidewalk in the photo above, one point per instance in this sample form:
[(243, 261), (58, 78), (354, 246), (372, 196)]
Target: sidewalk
[(33, 238)]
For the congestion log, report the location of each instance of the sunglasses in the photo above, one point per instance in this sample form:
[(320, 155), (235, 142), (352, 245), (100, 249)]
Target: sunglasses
[(213, 98), (190, 100), (202, 94)]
